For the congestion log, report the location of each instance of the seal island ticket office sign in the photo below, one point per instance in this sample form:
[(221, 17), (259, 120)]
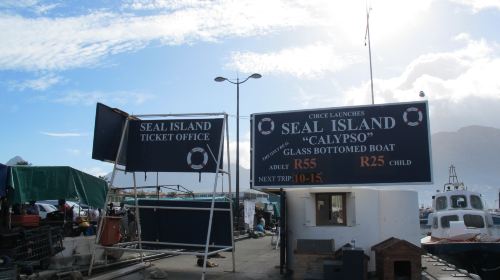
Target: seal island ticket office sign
[(167, 145), (366, 145), (181, 145)]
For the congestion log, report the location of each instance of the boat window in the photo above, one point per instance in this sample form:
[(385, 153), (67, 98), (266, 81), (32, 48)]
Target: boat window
[(445, 220), (441, 203), (475, 202), (475, 221), (330, 209), (458, 201), (435, 222)]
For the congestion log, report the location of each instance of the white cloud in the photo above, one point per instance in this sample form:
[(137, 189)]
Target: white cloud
[(41, 83), (478, 5), (96, 171), (466, 72), (36, 6), (462, 86), (44, 9), (310, 62), (163, 4), (68, 42), (345, 21), (244, 152), (305, 99), (61, 43), (64, 134), (91, 98), (18, 3)]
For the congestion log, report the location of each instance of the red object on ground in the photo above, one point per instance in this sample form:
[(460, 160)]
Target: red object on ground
[(111, 231), (25, 220)]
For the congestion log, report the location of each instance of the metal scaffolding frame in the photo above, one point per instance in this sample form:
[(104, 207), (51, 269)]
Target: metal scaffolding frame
[(126, 246)]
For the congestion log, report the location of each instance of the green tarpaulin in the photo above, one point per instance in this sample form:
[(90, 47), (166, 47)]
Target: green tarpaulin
[(55, 182)]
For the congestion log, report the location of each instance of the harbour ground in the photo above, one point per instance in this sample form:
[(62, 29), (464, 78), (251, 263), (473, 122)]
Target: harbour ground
[(254, 259), (258, 259)]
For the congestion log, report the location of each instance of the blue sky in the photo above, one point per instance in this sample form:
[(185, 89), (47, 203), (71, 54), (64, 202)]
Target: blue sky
[(58, 58)]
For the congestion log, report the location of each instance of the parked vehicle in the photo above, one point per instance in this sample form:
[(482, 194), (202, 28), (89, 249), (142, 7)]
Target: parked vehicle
[(44, 209), (78, 209)]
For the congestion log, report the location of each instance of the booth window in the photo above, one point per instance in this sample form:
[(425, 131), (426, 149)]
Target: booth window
[(330, 209)]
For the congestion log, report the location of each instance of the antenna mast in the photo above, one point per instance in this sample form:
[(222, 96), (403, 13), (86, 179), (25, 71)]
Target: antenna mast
[(367, 36)]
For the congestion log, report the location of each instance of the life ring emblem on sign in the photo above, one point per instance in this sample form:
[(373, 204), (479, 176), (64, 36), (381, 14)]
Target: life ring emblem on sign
[(413, 123), (265, 131), (190, 155)]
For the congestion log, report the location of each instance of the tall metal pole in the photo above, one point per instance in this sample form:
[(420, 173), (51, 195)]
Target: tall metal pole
[(237, 154), (369, 50)]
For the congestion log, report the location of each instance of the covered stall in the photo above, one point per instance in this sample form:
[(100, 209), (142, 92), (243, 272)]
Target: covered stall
[(26, 240), (34, 183)]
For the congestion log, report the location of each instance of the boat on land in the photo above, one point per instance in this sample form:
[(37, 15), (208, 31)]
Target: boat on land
[(462, 231)]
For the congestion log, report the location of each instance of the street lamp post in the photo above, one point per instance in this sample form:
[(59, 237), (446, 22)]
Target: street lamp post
[(237, 83)]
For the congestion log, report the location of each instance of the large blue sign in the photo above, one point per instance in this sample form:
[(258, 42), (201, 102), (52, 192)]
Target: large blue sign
[(187, 145), (173, 145), (376, 144)]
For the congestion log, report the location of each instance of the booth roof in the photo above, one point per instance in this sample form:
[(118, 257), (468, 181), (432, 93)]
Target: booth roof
[(33, 183)]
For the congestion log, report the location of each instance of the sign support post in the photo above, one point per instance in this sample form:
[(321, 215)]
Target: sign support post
[(100, 227)]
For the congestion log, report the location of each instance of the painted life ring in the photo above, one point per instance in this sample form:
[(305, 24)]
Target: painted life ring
[(268, 131), (413, 109), (190, 155)]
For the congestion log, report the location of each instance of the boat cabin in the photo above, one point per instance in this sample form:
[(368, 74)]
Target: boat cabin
[(457, 197), (459, 214)]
